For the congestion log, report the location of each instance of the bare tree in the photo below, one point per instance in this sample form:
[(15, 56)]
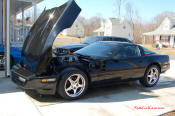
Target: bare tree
[(120, 3), (130, 12), (139, 27), (130, 15), (92, 24)]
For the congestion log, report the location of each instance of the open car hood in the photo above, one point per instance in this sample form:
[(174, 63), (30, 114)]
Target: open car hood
[(37, 48)]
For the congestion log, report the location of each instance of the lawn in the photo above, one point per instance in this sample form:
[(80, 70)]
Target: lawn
[(66, 40)]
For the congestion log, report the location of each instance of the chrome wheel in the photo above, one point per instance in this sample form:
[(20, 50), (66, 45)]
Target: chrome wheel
[(153, 76), (74, 85)]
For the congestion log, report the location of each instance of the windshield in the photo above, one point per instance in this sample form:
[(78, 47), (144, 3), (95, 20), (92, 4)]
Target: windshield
[(91, 40), (98, 50)]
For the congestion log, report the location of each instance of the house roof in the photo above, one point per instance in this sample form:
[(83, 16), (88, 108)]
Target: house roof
[(172, 19), (116, 21), (161, 31)]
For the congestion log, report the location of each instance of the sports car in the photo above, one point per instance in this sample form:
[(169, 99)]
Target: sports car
[(70, 75)]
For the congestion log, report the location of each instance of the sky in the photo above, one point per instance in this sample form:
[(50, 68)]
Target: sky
[(147, 9)]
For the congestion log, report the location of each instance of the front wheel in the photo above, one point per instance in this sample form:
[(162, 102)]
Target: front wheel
[(151, 76), (73, 84)]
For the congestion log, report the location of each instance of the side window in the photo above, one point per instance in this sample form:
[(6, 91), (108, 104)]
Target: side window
[(115, 39), (123, 40), (107, 39), (119, 39), (128, 52)]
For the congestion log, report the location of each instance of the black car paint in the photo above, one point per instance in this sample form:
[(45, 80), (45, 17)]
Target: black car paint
[(98, 69), (37, 48), (75, 47)]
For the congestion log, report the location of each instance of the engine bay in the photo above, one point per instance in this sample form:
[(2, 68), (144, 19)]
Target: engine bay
[(60, 62)]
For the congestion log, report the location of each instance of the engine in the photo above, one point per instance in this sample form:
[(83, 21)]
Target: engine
[(60, 62)]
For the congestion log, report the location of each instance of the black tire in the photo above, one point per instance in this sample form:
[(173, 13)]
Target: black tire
[(145, 81), (61, 87)]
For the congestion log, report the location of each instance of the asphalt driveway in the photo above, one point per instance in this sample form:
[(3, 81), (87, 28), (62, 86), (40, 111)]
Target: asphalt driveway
[(124, 99)]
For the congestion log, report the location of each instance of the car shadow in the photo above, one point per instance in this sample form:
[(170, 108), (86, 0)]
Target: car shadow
[(7, 86), (111, 93)]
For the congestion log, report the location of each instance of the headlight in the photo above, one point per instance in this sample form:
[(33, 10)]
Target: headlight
[(63, 51)]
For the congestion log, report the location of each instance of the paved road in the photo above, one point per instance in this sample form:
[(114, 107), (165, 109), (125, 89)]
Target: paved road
[(105, 101)]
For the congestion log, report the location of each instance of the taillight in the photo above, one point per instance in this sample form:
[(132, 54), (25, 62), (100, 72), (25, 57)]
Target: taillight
[(25, 65)]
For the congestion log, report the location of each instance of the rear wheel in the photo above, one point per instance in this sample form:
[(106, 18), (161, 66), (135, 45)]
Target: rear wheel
[(151, 76), (73, 84)]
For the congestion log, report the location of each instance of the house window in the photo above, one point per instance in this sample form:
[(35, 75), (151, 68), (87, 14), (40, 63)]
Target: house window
[(124, 27), (168, 38), (173, 26), (165, 40)]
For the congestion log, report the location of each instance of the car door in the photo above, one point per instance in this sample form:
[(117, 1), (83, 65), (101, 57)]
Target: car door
[(127, 63)]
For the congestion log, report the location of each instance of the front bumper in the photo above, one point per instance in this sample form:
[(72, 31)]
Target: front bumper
[(34, 83), (165, 67)]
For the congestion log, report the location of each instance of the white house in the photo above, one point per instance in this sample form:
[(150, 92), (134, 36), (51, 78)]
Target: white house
[(165, 33), (77, 30), (116, 27)]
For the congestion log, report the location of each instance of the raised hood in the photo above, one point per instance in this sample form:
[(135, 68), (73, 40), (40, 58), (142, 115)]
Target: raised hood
[(37, 48)]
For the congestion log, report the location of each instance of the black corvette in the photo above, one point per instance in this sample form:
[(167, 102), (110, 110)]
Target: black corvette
[(67, 49), (70, 75)]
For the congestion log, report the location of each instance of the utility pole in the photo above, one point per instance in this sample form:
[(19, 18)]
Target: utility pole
[(35, 10), (6, 22)]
